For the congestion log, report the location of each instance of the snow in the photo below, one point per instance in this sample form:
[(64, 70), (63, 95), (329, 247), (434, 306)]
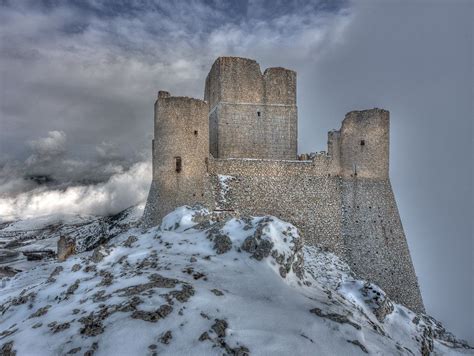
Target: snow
[(322, 309), (224, 186)]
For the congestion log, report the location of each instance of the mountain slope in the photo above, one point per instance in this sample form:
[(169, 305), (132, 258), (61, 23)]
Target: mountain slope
[(206, 285)]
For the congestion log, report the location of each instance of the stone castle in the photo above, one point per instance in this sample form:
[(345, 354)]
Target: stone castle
[(236, 152)]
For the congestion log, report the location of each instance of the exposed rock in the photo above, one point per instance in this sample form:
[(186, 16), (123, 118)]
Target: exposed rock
[(222, 243), (258, 249), (99, 253), (8, 271), (378, 301), (184, 294), (130, 240), (59, 327), (357, 343), (338, 318), (166, 337), (219, 327), (40, 312), (241, 351), (157, 281), (38, 255), (204, 336), (217, 292), (92, 325), (107, 278), (7, 349), (53, 274), (72, 288), (66, 247), (74, 351), (153, 316)]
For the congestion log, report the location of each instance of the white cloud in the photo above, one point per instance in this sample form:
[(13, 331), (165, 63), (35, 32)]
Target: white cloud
[(119, 192)]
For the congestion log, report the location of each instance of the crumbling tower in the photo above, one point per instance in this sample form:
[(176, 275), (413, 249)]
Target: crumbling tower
[(180, 153), (251, 115)]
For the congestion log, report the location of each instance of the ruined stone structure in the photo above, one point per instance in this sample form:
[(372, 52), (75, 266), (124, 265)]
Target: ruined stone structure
[(236, 151)]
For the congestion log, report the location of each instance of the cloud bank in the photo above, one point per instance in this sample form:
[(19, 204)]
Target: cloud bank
[(120, 191)]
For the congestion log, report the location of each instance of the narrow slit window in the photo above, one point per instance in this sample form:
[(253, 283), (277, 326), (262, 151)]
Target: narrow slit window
[(362, 142), (195, 132), (179, 165), (259, 113)]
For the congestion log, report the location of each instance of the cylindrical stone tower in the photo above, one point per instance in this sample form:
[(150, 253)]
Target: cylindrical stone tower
[(180, 153)]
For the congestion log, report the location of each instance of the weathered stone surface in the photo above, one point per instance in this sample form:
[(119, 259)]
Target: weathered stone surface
[(153, 316), (338, 318), (219, 327), (7, 349), (256, 246), (166, 337), (222, 243), (99, 253), (66, 247)]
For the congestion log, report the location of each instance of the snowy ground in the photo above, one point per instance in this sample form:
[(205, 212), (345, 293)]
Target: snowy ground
[(198, 285)]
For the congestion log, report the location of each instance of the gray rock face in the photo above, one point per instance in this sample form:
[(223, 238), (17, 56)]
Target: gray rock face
[(219, 327), (338, 318), (222, 244), (256, 246), (99, 253)]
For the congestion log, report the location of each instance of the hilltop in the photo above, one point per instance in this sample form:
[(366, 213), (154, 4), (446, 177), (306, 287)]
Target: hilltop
[(203, 284)]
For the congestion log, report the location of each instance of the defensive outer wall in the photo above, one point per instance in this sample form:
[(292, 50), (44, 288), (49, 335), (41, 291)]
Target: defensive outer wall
[(237, 152)]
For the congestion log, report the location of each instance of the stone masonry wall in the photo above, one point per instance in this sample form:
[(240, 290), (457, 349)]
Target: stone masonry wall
[(251, 115), (301, 192), (355, 218), (375, 244), (253, 131)]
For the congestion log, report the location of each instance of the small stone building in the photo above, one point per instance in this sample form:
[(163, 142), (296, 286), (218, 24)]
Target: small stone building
[(236, 151)]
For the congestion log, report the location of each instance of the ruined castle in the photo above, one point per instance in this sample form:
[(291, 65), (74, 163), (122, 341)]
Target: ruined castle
[(236, 151)]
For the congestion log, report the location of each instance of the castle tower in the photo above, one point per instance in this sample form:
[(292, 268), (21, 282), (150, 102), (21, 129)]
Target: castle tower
[(372, 232), (251, 115), (180, 153)]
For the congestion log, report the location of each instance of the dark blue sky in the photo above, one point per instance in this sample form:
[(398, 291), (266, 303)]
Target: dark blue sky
[(79, 78)]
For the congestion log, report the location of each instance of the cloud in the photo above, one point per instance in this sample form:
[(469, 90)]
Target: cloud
[(49, 147), (119, 192)]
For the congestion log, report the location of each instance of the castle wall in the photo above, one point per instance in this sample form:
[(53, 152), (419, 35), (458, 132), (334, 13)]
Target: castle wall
[(180, 153), (301, 192), (251, 115), (375, 244)]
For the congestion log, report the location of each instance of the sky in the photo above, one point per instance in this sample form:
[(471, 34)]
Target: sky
[(78, 80)]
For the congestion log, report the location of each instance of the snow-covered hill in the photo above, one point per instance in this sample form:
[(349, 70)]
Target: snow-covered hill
[(43, 232), (203, 285)]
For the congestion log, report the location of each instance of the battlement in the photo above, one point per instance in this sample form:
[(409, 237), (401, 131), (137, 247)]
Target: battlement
[(240, 80)]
